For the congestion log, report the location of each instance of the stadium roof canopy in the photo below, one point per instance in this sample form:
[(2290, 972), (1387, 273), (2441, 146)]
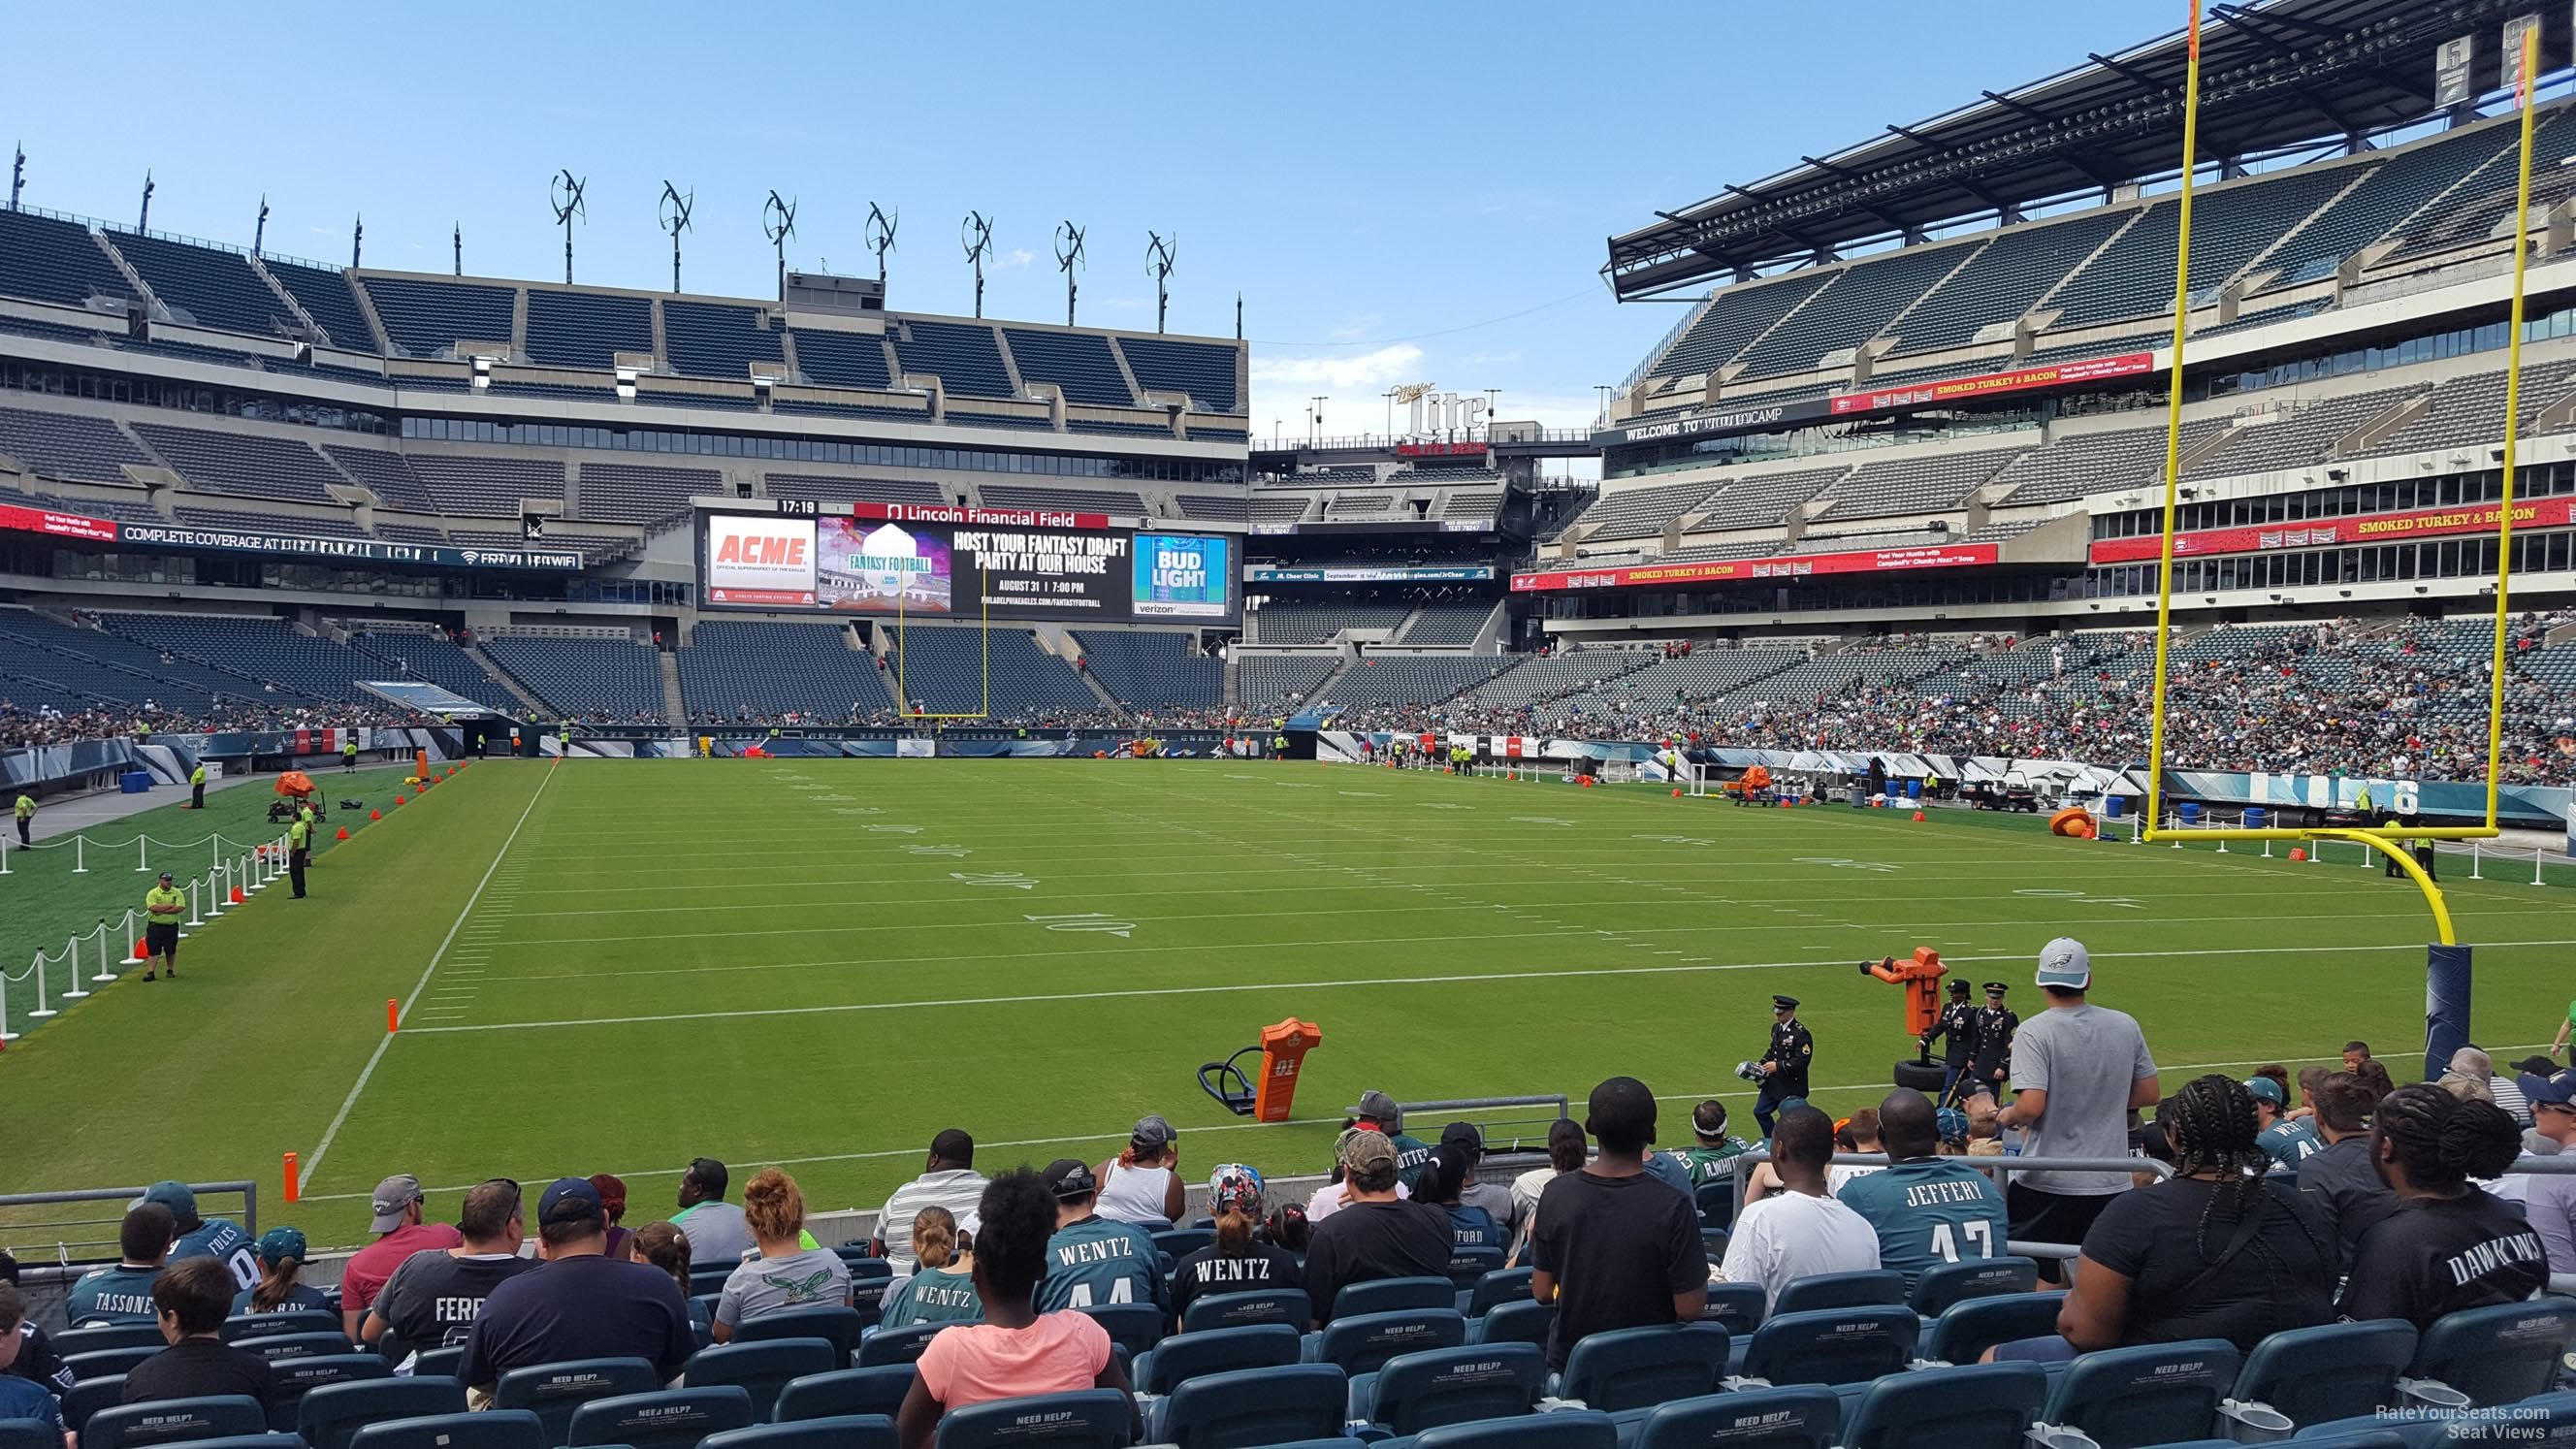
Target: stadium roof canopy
[(2275, 75)]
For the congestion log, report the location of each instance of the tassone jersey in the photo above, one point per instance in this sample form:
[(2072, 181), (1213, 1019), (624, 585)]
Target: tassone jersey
[(1095, 1262)]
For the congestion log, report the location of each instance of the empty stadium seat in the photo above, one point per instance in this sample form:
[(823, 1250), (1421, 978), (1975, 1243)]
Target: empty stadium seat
[(171, 1421), (88, 1396), (618, 679), (1154, 667), (897, 1345), (945, 669), (1739, 1308), (1832, 1346), (278, 1347), (435, 1361), (854, 1431), (1524, 1321), (2125, 1398), (1254, 1406), (29, 1434), (1205, 372), (663, 1419), (242, 1441), (1083, 1419), (1965, 1330), (1236, 1310), (762, 1369), (2499, 1354), (498, 1428), (1841, 1290), (1388, 1295), (2333, 1371), (554, 1391), (285, 1320), (105, 1363), (834, 1324), (1184, 1356), (1634, 1368), (1361, 1342), (1797, 1418), (1134, 1327), (1417, 1391), (1952, 1283), (876, 1389), (328, 1417), (1983, 1406), (290, 1379), (1573, 1429), (72, 1341), (1497, 1287)]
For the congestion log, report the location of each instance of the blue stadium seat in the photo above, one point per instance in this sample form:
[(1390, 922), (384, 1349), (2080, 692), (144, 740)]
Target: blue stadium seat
[(1716, 1203), (867, 1297), (1181, 1242), (241, 1441), (1501, 1286), (897, 1345), (2123, 1398), (1712, 1242), (664, 1419), (850, 1431), (500, 1428), (831, 1323), (1468, 1266), (430, 1362), (29, 1434), (329, 1416), (107, 1363), (761, 1369), (170, 1421), (1739, 1308), (1365, 1341), (2411, 1428), (106, 1336), (1527, 1321), (292, 1378), (1254, 1406), (285, 1320), (1237, 1310), (1573, 1429), (1841, 1290), (843, 1393), (1980, 1406), (1134, 1327), (2500, 1354), (1834, 1346), (554, 1390), (89, 1396), (1083, 1419), (1185, 1356), (2333, 1371), (1964, 1331), (1951, 1283), (1386, 1295), (278, 1347), (1636, 1368), (1761, 1419), (1418, 1391)]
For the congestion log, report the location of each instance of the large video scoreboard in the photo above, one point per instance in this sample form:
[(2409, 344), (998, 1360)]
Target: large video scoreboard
[(935, 563)]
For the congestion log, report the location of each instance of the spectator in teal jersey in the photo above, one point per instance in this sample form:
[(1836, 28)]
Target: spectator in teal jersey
[(1091, 1260), (2286, 1142), (1712, 1146), (122, 1291), (1926, 1209), (219, 1238), (942, 1288), (281, 1261)]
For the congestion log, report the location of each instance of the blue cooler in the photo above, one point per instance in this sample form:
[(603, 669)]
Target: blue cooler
[(134, 782), (2190, 812), (1913, 789), (2256, 817), (2113, 806)]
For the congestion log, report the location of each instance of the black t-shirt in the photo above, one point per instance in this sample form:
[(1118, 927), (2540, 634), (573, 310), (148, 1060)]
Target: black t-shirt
[(195, 1367), (584, 1307), (38, 1361), (2438, 1255), (1207, 1272), (2346, 1185), (1620, 1249), (2163, 1239), (432, 1298), (1365, 1241)]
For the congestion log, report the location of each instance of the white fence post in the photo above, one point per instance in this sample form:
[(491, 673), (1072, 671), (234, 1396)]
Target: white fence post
[(195, 896), (80, 857), (2477, 857), (42, 1009), (142, 854), (76, 993)]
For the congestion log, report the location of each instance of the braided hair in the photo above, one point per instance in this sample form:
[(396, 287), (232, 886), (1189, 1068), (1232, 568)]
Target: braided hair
[(2441, 1141), (2210, 1125)]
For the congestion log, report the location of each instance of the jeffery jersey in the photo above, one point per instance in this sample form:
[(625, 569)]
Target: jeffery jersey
[(1928, 1213)]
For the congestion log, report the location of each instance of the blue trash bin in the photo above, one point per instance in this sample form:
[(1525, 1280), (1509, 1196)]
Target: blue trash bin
[(2114, 806), (2256, 817), (2190, 813), (134, 782), (1913, 789)]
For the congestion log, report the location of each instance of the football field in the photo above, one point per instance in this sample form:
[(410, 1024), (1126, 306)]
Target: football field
[(619, 965)]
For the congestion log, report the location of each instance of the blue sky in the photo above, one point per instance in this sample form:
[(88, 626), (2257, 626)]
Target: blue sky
[(1380, 183)]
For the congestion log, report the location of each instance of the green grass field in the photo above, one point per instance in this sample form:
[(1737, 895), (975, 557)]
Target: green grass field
[(616, 966)]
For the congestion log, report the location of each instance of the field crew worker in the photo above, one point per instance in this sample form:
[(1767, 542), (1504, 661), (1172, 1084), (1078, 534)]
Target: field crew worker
[(1279, 746), (1784, 1064), (1996, 1024), (197, 787), (1958, 1028), (26, 820), (299, 849), (163, 905), (349, 755)]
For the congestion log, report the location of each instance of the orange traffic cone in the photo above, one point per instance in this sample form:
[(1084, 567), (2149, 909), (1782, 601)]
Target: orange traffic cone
[(237, 896), (1677, 794), (1918, 817), (344, 831), (2297, 854), (142, 950), (398, 799), (374, 815)]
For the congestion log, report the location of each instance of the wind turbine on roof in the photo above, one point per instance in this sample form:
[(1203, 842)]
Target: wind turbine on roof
[(1159, 256), (675, 220), (1068, 252), (564, 194), (778, 223), (975, 233), (880, 237)]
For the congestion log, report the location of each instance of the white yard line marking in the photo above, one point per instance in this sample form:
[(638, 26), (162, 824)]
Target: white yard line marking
[(313, 1169)]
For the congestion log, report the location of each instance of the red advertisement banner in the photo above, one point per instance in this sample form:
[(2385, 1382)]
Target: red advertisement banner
[(1439, 450), (2326, 533), (57, 525), (1742, 570), (980, 517), (1991, 383)]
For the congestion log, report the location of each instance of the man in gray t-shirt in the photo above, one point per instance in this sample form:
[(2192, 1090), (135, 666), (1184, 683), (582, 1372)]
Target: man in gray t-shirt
[(814, 1278), (2078, 1070), (718, 1236)]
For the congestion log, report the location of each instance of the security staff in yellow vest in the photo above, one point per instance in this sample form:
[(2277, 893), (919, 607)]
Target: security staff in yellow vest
[(349, 756), (299, 851), (26, 820), (197, 787)]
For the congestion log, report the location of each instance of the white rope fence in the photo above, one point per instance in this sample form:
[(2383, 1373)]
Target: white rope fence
[(2480, 852), (229, 879)]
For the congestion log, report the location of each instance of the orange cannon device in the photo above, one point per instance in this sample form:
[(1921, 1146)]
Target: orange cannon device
[(1282, 1049)]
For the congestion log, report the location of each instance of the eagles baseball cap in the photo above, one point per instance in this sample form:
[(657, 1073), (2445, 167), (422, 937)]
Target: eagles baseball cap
[(1069, 1178), (2064, 964), (570, 1200), (2267, 1090), (279, 1244), (178, 1197), (393, 1195), (1465, 1135), (1154, 1132), (1380, 1108), (2558, 1089), (1361, 1150)]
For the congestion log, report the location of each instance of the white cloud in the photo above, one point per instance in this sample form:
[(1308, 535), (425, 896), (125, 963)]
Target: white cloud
[(1361, 371), (1013, 259)]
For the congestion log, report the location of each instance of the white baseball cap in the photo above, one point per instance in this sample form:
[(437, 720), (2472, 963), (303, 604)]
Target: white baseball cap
[(2064, 964)]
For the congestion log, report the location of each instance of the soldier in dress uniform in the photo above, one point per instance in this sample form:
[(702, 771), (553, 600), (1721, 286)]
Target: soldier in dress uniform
[(1784, 1064), (1957, 1030), (1996, 1024)]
